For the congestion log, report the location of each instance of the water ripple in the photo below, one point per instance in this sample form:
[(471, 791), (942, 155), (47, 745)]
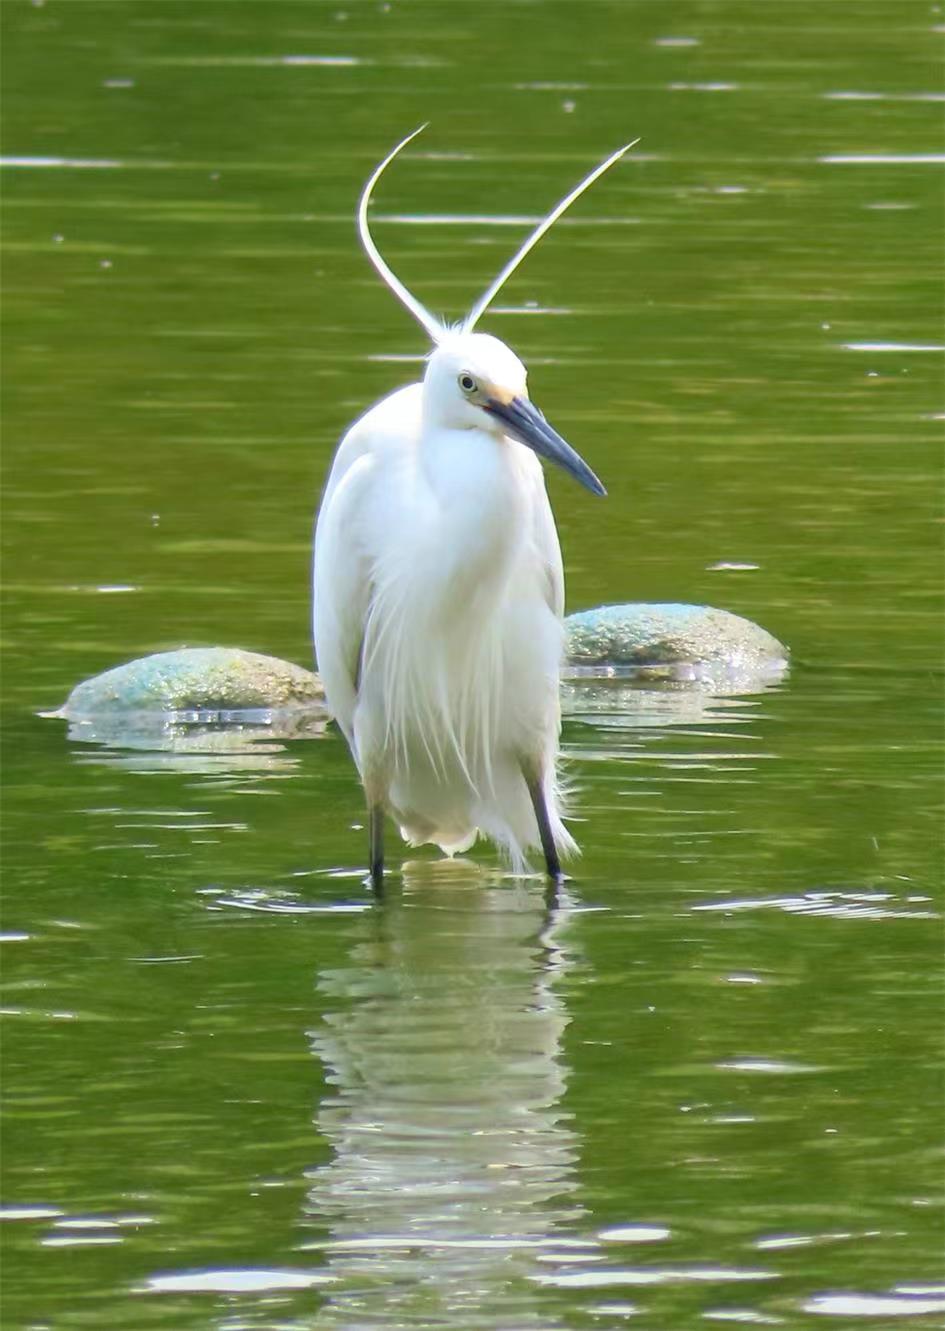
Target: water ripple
[(839, 904), (650, 1276), (873, 1305), (239, 1281), (883, 159)]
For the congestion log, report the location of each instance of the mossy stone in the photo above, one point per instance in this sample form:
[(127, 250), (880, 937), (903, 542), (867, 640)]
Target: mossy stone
[(668, 635), (205, 679)]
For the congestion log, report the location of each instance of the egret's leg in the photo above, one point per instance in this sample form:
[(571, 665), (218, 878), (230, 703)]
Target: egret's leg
[(552, 863), (552, 897), (376, 818)]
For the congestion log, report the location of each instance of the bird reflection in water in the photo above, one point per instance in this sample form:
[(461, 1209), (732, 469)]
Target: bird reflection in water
[(453, 1159)]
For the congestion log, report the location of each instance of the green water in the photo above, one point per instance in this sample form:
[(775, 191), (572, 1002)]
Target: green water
[(705, 1090)]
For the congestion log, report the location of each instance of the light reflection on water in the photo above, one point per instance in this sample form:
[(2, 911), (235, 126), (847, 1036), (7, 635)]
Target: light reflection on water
[(453, 1190), (453, 1159), (249, 741)]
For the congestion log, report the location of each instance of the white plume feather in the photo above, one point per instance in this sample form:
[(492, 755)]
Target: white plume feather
[(485, 300), (423, 316)]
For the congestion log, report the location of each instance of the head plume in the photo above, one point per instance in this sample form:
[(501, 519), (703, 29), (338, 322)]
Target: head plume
[(485, 300), (434, 327), (423, 316)]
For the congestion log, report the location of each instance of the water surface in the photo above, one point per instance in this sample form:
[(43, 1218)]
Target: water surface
[(704, 1086)]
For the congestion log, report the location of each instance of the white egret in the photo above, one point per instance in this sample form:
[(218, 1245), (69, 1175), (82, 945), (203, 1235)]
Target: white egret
[(439, 590)]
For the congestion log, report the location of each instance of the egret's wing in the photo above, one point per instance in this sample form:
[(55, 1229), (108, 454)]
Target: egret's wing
[(548, 547), (342, 592), (385, 428), (345, 541)]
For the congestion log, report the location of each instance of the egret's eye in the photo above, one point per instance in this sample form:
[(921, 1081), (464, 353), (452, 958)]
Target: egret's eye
[(467, 383)]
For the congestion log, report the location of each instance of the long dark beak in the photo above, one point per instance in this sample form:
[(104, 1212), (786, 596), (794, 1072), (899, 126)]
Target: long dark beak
[(524, 422)]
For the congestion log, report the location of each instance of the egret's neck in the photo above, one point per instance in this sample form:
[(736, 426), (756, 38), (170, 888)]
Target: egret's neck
[(479, 504)]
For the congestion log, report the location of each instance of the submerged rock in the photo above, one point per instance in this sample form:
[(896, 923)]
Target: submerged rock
[(203, 680), (669, 641)]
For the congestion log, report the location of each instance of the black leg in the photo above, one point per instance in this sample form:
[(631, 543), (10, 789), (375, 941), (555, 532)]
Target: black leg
[(552, 863), (377, 847), (552, 900)]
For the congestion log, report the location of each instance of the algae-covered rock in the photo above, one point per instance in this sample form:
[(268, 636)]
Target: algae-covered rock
[(196, 679), (676, 641)]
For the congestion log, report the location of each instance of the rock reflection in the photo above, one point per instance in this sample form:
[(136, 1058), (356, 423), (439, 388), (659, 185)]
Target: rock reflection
[(250, 740), (631, 699), (453, 1160)]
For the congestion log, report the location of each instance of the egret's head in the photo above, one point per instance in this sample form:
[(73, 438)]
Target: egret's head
[(475, 382), (466, 372)]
